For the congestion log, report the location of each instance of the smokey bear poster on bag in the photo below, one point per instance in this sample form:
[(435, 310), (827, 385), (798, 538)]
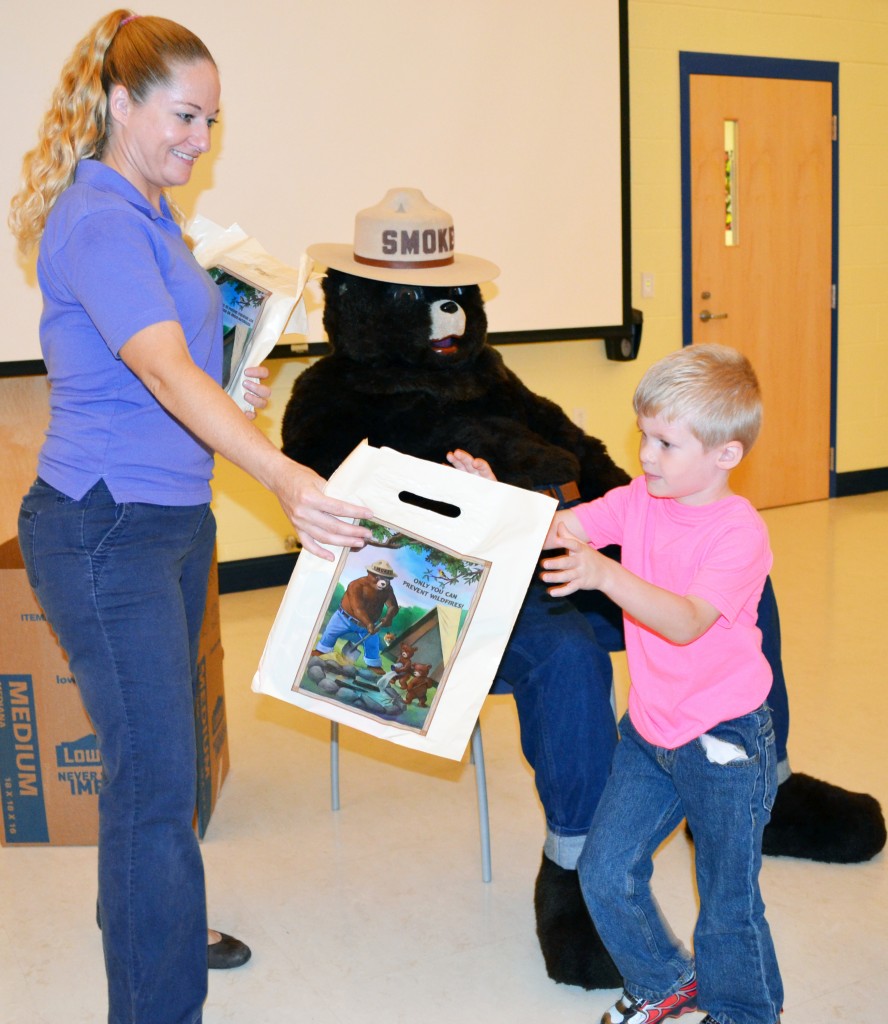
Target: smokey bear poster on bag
[(390, 628)]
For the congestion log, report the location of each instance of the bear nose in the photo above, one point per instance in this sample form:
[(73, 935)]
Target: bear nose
[(449, 307)]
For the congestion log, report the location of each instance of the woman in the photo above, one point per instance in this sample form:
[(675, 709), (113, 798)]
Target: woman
[(116, 532)]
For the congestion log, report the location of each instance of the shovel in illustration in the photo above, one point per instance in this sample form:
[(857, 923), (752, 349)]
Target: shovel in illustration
[(351, 649)]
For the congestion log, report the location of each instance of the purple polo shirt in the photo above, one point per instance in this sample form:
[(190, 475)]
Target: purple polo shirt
[(109, 266)]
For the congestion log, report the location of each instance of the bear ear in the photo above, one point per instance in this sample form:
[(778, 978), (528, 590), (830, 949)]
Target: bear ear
[(336, 279)]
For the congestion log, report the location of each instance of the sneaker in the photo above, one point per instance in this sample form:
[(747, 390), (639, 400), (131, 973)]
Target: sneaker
[(628, 1010)]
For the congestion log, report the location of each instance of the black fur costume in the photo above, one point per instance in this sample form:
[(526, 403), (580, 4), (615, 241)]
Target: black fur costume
[(385, 381), (389, 380)]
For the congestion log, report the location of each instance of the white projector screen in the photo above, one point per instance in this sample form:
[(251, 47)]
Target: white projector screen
[(509, 114)]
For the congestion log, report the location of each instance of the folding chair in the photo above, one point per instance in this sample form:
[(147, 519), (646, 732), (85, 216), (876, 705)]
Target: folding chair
[(477, 757)]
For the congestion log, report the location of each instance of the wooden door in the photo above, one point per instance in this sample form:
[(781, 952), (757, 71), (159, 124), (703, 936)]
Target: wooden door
[(770, 293)]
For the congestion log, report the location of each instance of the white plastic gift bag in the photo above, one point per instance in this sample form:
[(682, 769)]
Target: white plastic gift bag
[(261, 297), (402, 639)]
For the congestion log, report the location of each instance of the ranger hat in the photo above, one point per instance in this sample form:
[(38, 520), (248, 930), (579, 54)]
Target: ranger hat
[(405, 240), (382, 568)]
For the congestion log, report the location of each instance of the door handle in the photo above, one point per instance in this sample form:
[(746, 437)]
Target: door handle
[(706, 315)]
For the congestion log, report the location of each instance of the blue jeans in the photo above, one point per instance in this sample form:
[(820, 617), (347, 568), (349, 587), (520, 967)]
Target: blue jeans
[(124, 586), (727, 806), (557, 664)]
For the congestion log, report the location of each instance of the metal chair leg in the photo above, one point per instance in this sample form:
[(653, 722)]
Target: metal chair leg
[(334, 766), (477, 758), (483, 813)]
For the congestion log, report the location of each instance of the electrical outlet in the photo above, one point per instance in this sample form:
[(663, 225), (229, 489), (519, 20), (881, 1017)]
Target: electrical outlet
[(647, 285)]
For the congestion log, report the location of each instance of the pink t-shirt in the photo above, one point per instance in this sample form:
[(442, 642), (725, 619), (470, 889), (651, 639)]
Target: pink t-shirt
[(719, 552)]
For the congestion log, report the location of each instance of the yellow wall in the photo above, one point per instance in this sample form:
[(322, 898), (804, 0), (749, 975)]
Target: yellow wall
[(576, 374), (855, 35)]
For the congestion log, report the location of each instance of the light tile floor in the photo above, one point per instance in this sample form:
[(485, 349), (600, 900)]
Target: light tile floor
[(378, 914)]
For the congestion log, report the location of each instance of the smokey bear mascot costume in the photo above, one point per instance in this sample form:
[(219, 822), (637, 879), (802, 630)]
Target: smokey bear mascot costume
[(411, 369)]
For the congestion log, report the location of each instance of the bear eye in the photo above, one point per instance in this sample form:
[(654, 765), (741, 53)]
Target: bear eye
[(455, 293), (407, 293)]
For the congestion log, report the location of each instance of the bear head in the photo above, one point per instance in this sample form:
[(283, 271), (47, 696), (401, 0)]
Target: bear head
[(377, 323)]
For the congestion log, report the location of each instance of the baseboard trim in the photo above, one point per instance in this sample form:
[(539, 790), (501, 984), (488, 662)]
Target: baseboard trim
[(861, 481), (255, 573)]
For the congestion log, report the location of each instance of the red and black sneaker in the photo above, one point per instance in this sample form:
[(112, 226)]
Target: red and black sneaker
[(628, 1010)]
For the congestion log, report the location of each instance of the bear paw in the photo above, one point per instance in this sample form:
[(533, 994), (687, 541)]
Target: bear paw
[(815, 820), (572, 951)]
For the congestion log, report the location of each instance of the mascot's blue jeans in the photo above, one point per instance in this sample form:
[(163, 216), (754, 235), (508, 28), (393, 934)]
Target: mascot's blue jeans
[(124, 587), (557, 664)]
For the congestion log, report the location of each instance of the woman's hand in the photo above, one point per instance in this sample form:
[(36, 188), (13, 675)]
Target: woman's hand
[(467, 464), (315, 515), (302, 494), (256, 393)]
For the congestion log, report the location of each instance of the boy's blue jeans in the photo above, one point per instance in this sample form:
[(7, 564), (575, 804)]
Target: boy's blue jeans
[(727, 806), (124, 587)]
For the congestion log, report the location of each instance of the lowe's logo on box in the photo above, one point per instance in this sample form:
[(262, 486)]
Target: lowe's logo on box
[(80, 762)]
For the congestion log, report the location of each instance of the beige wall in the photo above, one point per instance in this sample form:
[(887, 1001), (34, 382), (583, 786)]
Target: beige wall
[(576, 374)]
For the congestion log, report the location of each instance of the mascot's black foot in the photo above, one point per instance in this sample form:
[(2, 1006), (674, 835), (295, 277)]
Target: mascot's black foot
[(572, 950), (818, 821)]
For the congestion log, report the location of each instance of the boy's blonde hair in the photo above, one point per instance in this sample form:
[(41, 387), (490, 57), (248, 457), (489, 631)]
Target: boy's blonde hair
[(711, 388), (120, 49)]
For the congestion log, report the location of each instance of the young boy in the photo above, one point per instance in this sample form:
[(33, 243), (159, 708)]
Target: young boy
[(697, 740)]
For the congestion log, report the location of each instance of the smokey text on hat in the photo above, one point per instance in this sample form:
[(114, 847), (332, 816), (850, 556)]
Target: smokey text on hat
[(429, 242)]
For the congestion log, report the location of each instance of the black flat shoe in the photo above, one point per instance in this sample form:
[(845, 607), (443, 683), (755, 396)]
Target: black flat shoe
[(228, 952)]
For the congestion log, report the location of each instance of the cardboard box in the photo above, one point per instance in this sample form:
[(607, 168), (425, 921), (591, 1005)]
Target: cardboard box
[(209, 710), (50, 764)]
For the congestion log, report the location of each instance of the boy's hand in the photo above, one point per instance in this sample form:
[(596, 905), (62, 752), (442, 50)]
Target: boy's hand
[(566, 519), (580, 568), (467, 464)]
